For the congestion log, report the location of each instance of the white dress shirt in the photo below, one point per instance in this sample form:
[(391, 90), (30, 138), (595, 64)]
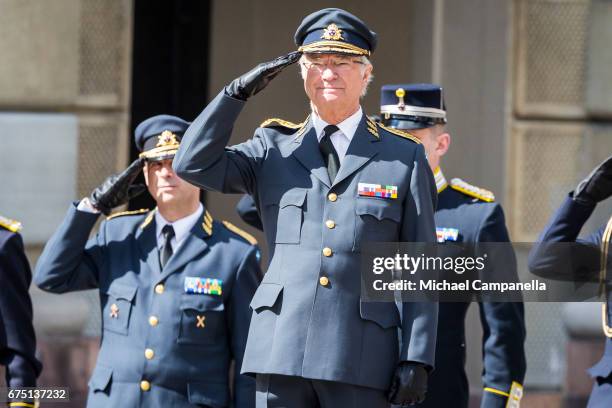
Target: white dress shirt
[(181, 228), (341, 138)]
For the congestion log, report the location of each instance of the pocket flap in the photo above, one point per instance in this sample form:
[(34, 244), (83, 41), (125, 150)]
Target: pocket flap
[(266, 295), (100, 378), (295, 197), (202, 302), (385, 314), (210, 394), (379, 208), (120, 290)]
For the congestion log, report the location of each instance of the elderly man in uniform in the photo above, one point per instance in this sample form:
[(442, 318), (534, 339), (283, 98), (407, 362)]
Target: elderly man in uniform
[(583, 261), (469, 214), (174, 285), (17, 339), (465, 213), (313, 342)]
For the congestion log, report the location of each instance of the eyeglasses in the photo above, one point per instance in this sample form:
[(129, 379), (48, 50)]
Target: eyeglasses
[(338, 65)]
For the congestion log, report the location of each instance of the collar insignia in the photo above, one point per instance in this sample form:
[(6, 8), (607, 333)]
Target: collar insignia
[(441, 182), (207, 223), (372, 127)]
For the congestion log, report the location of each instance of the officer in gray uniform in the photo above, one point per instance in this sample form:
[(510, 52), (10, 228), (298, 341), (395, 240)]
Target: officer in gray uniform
[(174, 285), (465, 213), (313, 342)]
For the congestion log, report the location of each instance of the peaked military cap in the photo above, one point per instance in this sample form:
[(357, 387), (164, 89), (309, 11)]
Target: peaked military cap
[(159, 137), (334, 30), (412, 106)]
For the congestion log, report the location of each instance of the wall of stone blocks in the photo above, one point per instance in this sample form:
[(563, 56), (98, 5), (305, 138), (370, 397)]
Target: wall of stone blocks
[(64, 103)]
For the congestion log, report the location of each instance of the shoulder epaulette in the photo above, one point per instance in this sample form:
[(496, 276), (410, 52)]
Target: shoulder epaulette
[(284, 124), (472, 191), (400, 133), (251, 239), (122, 213), (11, 225), (280, 122)]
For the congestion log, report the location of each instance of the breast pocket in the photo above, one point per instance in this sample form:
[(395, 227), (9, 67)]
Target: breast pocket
[(202, 319), (290, 209), (376, 220), (118, 307)]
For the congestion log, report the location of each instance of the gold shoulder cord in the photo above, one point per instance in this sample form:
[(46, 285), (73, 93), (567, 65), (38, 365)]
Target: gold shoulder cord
[(605, 244)]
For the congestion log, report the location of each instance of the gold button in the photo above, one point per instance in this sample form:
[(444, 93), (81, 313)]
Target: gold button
[(153, 320), (332, 197), (327, 251), (330, 224), (324, 281), (149, 354), (159, 289), (145, 385)]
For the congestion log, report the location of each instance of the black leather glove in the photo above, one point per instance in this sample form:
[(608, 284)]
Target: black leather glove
[(597, 186), (118, 189), (409, 384), (258, 78)]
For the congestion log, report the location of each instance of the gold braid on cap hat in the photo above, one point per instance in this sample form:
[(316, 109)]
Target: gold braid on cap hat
[(166, 145)]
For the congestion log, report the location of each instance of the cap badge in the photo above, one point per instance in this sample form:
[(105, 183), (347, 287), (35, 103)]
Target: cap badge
[(167, 138), (400, 93), (332, 32)]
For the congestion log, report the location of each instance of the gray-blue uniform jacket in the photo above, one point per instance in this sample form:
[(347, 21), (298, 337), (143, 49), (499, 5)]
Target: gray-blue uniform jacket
[(308, 318), (161, 346), (475, 219), (17, 339), (564, 226)]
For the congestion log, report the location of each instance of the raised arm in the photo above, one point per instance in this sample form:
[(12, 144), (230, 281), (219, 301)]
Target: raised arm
[(203, 159)]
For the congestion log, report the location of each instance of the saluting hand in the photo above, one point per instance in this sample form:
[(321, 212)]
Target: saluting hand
[(597, 186), (409, 384), (118, 189), (258, 78)]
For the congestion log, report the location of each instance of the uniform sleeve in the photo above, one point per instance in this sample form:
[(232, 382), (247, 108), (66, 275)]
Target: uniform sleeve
[(247, 210), (18, 355), (203, 158), (503, 323), (419, 319), (577, 262), (247, 280), (69, 261)]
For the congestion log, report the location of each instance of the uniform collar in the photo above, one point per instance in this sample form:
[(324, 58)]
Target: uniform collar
[(181, 226), (441, 183), (348, 126)]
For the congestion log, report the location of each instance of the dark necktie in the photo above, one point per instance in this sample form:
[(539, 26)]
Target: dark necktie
[(330, 155), (166, 252)]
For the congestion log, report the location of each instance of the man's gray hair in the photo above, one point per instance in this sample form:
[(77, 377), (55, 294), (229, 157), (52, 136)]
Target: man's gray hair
[(362, 59)]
